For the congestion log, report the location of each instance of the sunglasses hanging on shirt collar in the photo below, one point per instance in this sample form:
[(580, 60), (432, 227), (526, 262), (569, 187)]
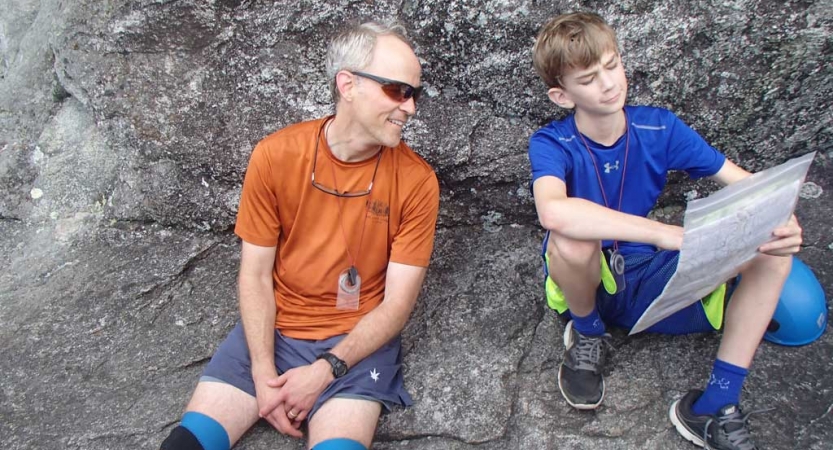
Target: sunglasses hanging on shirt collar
[(335, 192)]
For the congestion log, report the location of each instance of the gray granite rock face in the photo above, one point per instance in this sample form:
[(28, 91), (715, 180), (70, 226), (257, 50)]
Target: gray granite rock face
[(125, 129)]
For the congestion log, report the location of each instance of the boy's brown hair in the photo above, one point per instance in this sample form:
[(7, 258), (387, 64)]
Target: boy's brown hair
[(571, 41)]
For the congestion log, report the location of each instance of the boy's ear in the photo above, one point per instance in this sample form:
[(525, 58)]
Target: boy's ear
[(560, 98)]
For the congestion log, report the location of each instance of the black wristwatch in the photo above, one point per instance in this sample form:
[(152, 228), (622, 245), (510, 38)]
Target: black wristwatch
[(339, 366)]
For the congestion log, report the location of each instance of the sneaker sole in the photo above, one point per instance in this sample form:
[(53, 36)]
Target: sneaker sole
[(681, 428), (581, 406)]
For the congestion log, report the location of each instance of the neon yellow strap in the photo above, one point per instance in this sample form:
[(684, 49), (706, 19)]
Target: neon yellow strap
[(713, 306), (608, 281), (555, 297)]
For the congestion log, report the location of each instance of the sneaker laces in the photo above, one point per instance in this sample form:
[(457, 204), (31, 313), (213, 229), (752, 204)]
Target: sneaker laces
[(588, 351), (739, 435)]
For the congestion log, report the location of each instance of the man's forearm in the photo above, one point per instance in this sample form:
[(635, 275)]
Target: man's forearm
[(257, 312), (372, 332), (386, 320)]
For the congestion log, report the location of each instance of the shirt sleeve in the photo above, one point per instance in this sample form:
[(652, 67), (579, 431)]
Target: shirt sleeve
[(414, 241), (257, 217), (688, 151), (546, 157)]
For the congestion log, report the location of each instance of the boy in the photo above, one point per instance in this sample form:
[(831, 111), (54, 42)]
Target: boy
[(596, 175)]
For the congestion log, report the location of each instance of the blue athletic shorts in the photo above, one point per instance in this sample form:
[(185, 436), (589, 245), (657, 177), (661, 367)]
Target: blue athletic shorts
[(377, 378), (646, 275)]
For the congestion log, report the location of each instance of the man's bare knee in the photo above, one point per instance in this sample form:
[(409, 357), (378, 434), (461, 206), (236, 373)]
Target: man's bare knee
[(349, 418), (234, 409)]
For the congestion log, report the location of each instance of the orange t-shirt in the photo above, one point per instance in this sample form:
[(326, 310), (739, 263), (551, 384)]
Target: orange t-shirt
[(280, 207)]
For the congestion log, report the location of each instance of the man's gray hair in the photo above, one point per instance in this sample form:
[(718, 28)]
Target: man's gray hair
[(352, 49)]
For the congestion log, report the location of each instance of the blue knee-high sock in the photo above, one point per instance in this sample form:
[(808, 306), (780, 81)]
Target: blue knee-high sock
[(723, 389), (589, 325), (339, 444), (209, 432)]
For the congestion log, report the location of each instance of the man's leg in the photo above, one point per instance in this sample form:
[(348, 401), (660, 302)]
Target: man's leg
[(343, 424), (713, 416), (575, 267), (216, 417), (223, 405)]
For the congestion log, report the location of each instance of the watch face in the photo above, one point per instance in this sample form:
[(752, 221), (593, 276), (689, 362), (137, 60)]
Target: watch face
[(339, 366)]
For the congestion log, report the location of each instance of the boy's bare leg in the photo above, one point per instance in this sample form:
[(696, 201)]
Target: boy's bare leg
[(751, 307), (712, 417), (574, 266)]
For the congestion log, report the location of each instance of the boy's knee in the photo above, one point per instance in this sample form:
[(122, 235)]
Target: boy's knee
[(339, 444), (774, 267), (572, 251)]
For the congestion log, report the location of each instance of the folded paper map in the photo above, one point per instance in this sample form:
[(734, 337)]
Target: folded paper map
[(723, 231)]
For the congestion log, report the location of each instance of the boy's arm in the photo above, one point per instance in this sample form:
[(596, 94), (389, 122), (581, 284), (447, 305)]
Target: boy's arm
[(584, 220), (787, 239), (729, 173)]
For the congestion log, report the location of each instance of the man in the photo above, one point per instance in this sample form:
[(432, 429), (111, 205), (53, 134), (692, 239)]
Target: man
[(596, 176), (337, 219)]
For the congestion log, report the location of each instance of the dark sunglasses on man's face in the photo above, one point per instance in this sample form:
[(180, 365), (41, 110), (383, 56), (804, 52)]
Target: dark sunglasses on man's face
[(395, 90)]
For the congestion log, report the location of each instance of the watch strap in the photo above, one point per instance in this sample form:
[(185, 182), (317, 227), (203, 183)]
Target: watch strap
[(339, 367)]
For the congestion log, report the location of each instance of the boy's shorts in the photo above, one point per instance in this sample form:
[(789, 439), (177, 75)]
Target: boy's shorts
[(376, 378), (646, 275)]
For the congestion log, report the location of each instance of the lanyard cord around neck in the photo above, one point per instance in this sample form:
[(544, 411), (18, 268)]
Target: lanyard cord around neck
[(340, 209), (599, 175)]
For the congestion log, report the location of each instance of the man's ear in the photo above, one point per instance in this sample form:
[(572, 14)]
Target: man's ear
[(345, 81), (560, 98)]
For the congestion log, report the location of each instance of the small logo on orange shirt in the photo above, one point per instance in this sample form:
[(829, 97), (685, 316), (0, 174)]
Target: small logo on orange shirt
[(378, 210)]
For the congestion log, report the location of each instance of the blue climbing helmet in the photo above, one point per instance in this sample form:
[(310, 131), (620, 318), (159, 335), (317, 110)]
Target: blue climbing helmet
[(801, 315)]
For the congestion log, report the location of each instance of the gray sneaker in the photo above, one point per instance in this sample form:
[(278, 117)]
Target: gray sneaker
[(726, 430), (580, 376)]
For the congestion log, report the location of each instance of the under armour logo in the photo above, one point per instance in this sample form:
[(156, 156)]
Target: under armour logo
[(722, 383), (609, 167)]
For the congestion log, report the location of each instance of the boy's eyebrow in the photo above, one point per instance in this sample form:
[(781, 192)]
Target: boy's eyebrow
[(593, 72), (587, 74)]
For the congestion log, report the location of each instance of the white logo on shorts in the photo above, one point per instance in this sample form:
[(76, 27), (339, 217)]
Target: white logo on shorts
[(374, 375)]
